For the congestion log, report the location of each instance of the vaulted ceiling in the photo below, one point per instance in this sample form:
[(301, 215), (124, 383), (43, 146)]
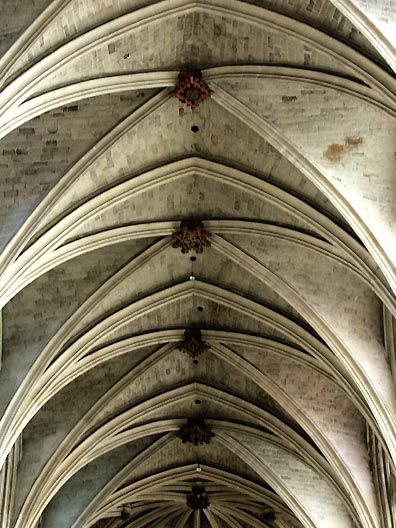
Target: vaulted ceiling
[(288, 167)]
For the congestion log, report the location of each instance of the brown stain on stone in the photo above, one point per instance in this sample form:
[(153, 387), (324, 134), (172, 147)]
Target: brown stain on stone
[(335, 152)]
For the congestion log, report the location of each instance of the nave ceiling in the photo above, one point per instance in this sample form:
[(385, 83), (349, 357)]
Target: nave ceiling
[(287, 166)]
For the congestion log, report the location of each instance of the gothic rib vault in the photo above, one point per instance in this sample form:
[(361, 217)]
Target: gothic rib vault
[(198, 264)]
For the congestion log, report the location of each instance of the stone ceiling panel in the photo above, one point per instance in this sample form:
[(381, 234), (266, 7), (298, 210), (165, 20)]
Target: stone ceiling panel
[(77, 493), (187, 196), (39, 153), (290, 166), (347, 153), (227, 138), (322, 284), (56, 419), (182, 313), (174, 453), (16, 17), (325, 16), (32, 318), (329, 410), (175, 369), (71, 21), (320, 502), (202, 37), (165, 134), (167, 267)]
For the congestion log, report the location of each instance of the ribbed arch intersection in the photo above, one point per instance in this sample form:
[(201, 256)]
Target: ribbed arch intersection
[(197, 300)]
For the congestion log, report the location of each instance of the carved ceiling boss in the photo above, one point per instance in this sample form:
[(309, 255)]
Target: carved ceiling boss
[(197, 499), (193, 345), (191, 90), (196, 431), (191, 236)]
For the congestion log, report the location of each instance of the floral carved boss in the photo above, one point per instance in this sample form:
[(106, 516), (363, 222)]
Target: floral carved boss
[(197, 499), (196, 431), (191, 90), (193, 345), (191, 236)]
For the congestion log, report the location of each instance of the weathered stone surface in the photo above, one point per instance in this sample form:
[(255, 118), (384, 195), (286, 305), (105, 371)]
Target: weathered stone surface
[(34, 157), (33, 317), (16, 18), (290, 166)]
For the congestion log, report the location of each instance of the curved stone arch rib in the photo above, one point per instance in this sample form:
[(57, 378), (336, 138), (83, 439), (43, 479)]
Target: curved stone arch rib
[(278, 141), (252, 459), (305, 76), (288, 438), (39, 104), (29, 36), (81, 349), (211, 519), (242, 516), (294, 236), (150, 518), (366, 25), (383, 413), (105, 238), (92, 242), (31, 108), (56, 236), (225, 517), (182, 474), (117, 427), (117, 431), (354, 61), (109, 237), (53, 239), (331, 231), (170, 517), (22, 237), (183, 520)]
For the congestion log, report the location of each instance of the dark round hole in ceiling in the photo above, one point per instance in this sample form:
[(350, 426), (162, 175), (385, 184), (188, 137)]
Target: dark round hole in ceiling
[(193, 259), (195, 129), (195, 361), (197, 402), (200, 308)]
